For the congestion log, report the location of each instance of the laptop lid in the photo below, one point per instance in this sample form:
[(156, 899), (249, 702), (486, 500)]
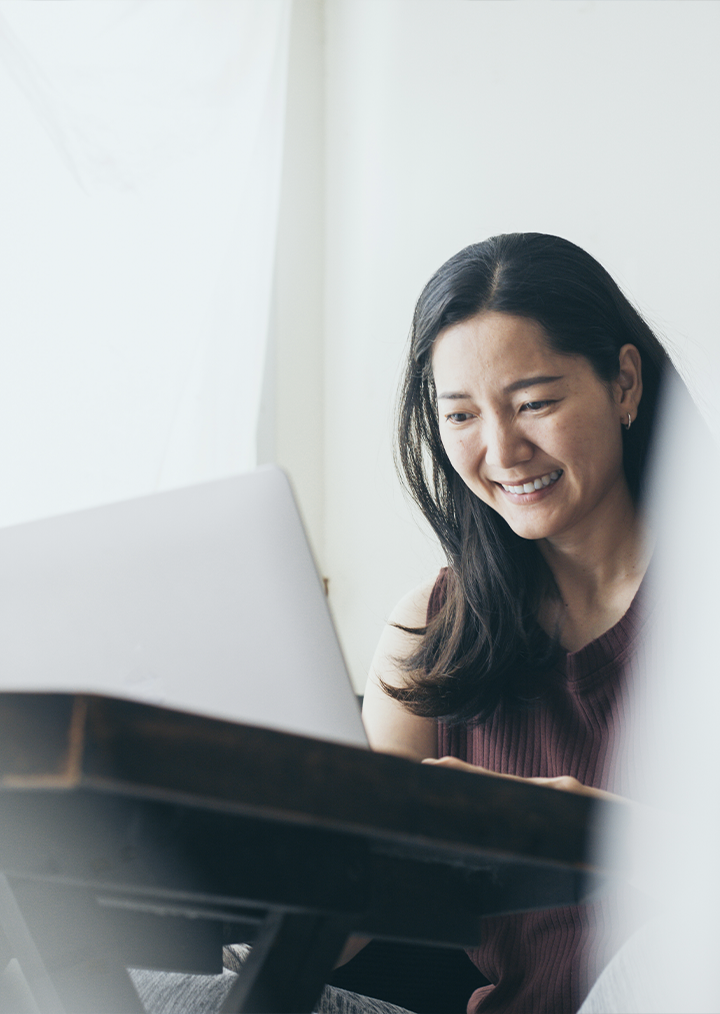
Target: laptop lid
[(203, 599)]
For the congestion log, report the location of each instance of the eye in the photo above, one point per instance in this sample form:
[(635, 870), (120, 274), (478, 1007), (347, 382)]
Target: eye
[(458, 417), (535, 406)]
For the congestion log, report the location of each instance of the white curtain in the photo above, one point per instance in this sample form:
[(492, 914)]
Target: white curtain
[(140, 158)]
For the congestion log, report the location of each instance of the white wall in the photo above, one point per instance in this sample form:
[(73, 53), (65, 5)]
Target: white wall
[(139, 180), (446, 121), (291, 430)]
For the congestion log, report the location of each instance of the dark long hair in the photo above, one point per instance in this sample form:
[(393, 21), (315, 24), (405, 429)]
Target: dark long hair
[(485, 645)]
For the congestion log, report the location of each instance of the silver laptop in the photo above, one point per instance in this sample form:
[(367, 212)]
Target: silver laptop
[(203, 599)]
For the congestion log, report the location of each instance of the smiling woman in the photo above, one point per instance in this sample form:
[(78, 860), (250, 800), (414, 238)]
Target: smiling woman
[(525, 422), (526, 363)]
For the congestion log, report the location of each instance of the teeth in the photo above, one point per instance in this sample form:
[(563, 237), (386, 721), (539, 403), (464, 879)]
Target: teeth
[(530, 487)]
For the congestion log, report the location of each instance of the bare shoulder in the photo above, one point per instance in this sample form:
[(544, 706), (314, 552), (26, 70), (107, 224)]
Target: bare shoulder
[(395, 642), (390, 726)]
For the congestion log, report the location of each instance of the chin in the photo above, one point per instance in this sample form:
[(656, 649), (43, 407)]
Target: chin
[(532, 533)]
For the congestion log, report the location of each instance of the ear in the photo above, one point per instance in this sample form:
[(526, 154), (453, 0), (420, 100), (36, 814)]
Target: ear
[(627, 386)]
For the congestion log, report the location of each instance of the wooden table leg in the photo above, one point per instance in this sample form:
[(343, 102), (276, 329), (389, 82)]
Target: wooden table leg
[(288, 966), (66, 949)]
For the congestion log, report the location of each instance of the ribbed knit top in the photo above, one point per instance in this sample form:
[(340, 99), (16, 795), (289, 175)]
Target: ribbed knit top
[(547, 961)]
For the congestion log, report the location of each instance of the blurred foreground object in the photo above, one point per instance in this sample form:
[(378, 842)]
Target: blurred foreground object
[(670, 965)]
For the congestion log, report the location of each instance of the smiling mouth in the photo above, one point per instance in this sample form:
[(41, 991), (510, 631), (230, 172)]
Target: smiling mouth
[(535, 484)]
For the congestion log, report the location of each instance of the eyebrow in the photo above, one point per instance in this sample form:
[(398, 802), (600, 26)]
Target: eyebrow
[(517, 385)]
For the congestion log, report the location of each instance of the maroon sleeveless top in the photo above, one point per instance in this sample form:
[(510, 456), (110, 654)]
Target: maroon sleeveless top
[(547, 961)]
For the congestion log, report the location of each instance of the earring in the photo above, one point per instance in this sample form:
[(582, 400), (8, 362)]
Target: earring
[(628, 424)]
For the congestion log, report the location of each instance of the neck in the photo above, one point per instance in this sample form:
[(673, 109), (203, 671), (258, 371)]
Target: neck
[(597, 575), (607, 550)]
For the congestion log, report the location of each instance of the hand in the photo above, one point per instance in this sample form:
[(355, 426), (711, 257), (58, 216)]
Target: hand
[(565, 783)]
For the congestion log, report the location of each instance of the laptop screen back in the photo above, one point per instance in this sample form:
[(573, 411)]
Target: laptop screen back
[(204, 599)]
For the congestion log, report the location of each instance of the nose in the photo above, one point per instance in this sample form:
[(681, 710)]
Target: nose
[(505, 445)]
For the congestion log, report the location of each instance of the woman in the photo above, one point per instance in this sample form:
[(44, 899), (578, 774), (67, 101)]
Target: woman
[(525, 421)]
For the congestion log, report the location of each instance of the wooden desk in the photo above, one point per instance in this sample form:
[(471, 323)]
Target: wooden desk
[(132, 835)]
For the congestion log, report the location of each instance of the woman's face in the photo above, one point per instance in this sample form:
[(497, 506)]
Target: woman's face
[(534, 434)]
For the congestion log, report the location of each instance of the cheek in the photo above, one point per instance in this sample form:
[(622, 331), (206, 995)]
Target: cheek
[(577, 438), (459, 450), (571, 443), (594, 444)]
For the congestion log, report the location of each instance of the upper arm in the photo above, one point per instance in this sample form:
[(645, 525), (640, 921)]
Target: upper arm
[(391, 728)]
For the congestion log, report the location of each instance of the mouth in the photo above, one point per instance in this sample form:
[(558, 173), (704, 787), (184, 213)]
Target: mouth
[(532, 485)]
